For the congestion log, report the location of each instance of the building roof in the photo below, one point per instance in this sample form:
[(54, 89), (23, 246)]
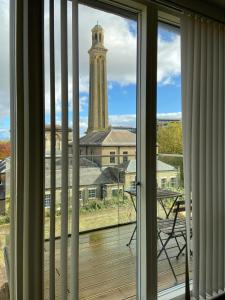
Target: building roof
[(2, 166), (57, 127), (130, 166), (88, 176), (111, 137)]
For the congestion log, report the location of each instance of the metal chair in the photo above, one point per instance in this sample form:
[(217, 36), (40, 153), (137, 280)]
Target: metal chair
[(173, 229)]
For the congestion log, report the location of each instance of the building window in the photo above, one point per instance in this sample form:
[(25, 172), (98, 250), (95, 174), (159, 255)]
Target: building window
[(112, 157), (133, 185), (91, 193), (163, 183), (47, 200), (125, 156), (115, 192), (173, 182)]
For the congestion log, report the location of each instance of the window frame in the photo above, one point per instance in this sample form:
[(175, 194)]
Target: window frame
[(112, 157), (175, 183), (95, 192), (166, 182), (125, 156)]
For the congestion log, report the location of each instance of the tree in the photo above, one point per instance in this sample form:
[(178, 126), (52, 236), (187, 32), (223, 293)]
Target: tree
[(170, 142), (5, 149), (170, 138)]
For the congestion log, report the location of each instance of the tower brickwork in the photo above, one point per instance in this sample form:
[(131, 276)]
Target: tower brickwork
[(98, 94)]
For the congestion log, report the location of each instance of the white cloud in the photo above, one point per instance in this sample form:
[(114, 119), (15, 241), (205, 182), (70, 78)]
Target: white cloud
[(168, 59), (170, 116), (121, 56), (83, 102), (123, 120), (4, 58), (121, 44)]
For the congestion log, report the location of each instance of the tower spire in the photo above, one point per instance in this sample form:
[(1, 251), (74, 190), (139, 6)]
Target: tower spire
[(98, 93)]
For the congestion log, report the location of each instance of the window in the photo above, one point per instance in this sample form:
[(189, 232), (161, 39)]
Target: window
[(173, 182), (125, 156), (47, 200), (92, 193), (163, 183), (115, 192), (133, 184), (112, 157)]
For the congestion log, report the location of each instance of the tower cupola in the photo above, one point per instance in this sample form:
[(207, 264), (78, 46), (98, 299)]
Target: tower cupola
[(97, 36)]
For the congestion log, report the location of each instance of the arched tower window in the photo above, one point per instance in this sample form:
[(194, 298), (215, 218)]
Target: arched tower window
[(96, 37), (100, 37)]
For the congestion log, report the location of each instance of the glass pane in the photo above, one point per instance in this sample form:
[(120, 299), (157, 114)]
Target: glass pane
[(107, 153), (5, 147), (170, 177)]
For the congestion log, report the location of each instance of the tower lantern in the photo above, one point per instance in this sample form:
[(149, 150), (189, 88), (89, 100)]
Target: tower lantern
[(98, 93)]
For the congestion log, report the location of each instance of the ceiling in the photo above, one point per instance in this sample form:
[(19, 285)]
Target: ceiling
[(220, 3)]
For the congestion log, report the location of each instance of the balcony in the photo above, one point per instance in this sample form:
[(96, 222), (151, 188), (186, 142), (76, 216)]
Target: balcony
[(107, 265), (107, 220)]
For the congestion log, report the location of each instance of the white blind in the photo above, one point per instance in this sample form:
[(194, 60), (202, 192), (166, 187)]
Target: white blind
[(203, 51)]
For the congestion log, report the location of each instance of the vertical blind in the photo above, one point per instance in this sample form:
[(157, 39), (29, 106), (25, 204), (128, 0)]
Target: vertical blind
[(203, 84), (28, 163)]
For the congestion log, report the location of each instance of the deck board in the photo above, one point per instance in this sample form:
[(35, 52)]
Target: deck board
[(108, 266)]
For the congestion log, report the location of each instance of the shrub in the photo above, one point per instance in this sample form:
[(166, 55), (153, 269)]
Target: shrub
[(4, 220)]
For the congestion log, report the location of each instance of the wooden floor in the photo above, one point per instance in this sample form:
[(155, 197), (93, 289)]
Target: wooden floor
[(107, 266)]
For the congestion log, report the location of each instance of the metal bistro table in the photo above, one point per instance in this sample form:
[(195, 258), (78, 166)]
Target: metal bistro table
[(162, 195)]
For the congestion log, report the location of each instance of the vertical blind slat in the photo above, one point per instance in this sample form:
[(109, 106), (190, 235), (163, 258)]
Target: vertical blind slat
[(202, 161), (220, 161), (214, 158), (209, 161), (195, 149), (53, 172), (75, 158), (64, 175)]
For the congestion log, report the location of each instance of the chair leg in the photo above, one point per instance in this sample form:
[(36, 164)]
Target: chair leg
[(131, 238), (167, 256)]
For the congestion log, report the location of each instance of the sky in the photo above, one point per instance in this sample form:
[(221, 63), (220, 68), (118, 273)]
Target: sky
[(121, 42)]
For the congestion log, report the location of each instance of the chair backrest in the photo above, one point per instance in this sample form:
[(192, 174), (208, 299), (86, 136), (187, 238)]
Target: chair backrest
[(179, 208)]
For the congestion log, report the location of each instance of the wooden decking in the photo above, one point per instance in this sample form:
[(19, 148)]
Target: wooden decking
[(108, 266)]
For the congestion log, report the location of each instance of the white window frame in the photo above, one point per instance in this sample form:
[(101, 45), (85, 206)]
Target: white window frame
[(147, 18), (81, 195), (166, 182), (120, 190), (175, 183), (90, 190), (125, 156), (112, 155)]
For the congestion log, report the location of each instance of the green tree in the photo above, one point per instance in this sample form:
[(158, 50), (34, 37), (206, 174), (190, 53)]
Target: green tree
[(170, 138), (170, 142)]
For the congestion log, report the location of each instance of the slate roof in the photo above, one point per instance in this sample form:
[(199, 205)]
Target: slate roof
[(111, 137), (88, 176), (84, 162), (2, 166), (130, 166)]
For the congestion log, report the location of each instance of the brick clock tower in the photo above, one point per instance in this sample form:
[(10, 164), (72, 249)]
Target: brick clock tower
[(98, 94)]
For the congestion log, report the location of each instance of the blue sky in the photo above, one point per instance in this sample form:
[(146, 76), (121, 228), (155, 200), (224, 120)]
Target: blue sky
[(120, 40)]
